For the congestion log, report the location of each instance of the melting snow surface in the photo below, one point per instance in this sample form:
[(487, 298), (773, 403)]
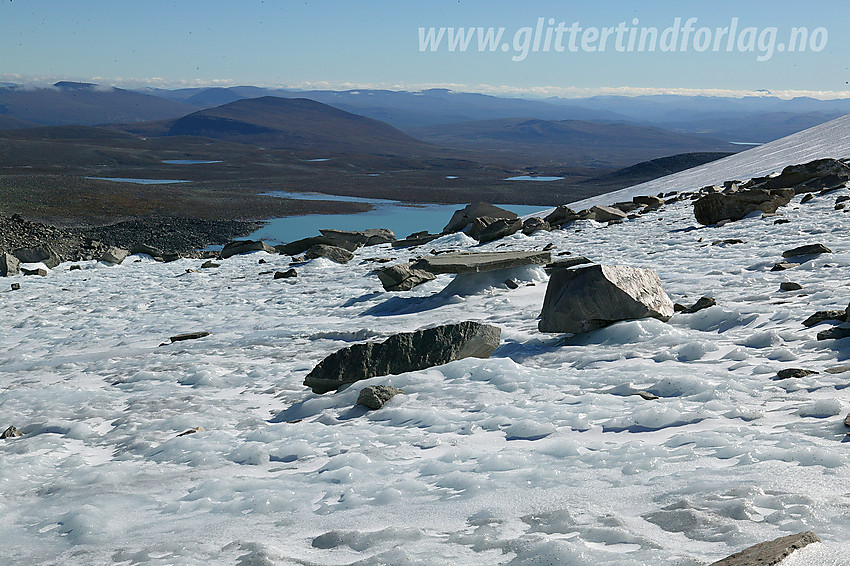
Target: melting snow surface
[(541, 454)]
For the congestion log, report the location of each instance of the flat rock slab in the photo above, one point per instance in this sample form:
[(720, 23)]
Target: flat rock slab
[(479, 262), (769, 553), (188, 336), (400, 353)]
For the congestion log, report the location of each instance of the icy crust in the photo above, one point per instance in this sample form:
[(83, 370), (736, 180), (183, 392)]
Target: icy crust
[(550, 452)]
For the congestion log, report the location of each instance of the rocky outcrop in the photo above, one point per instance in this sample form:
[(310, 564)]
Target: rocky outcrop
[(736, 204), (9, 265), (300, 246), (588, 298), (466, 216), (333, 253), (370, 237), (471, 262), (288, 274), (648, 200), (39, 254), (375, 396), (114, 255), (236, 247), (401, 353), (534, 224), (809, 177), (769, 553), (561, 215), (402, 278)]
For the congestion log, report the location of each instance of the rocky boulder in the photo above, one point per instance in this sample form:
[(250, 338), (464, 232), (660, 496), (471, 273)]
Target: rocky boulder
[(236, 247), (534, 224), (370, 237), (479, 262), (375, 396), (769, 553), (402, 277), (410, 351), (300, 246), (333, 253), (588, 298), (466, 216), (648, 200), (561, 215), (9, 265), (114, 255), (812, 176), (807, 250), (607, 213), (39, 254), (487, 229), (734, 205)]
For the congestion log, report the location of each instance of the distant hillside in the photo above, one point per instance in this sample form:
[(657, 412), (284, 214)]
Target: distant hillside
[(11, 123), (759, 128), (85, 104), (653, 169), (297, 124), (585, 142)]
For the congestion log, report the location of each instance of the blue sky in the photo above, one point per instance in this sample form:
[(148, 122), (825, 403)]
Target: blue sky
[(376, 44)]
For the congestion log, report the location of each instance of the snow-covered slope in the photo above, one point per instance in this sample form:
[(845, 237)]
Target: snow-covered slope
[(541, 454), (831, 139)]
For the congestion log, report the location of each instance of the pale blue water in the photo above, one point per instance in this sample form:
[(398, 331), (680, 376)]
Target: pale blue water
[(531, 178), (139, 181), (187, 161), (403, 219)]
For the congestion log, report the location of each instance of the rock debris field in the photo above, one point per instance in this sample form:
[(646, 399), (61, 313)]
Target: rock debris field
[(141, 439)]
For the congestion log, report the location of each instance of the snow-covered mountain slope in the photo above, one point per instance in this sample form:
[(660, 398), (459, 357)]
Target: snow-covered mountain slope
[(831, 139), (541, 454)]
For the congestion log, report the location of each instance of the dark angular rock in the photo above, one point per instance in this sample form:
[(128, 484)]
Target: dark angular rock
[(401, 353), (648, 200), (807, 198), (9, 265), (789, 373), (783, 265), (11, 432), (823, 316), (415, 239), (810, 249), (114, 255), (727, 242), (43, 254), (795, 175), (41, 272), (16, 286), (402, 277), (333, 253), (464, 217), (561, 215), (702, 303), (566, 263), (288, 274), (236, 247), (511, 284), (534, 224), (834, 333), (769, 553), (370, 237), (375, 396), (713, 208), (210, 264), (490, 229), (789, 286), (188, 336), (589, 298)]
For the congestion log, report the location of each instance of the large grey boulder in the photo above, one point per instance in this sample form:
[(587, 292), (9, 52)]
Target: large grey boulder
[(370, 237), (236, 247), (464, 217), (588, 298), (812, 176), (410, 351), (487, 229), (734, 205), (472, 262), (114, 255), (807, 250), (608, 213), (769, 553), (38, 254), (333, 253), (401, 277), (9, 265)]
